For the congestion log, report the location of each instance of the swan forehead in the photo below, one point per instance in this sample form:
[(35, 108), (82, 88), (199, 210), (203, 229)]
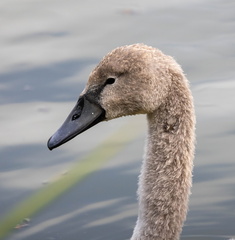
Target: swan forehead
[(127, 59), (135, 65)]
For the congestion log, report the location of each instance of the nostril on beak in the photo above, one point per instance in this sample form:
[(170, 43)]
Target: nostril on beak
[(78, 112), (75, 116)]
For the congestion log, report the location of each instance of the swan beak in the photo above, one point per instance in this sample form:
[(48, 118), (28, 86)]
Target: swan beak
[(83, 116)]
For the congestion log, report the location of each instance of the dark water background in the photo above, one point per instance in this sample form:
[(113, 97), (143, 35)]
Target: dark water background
[(48, 49)]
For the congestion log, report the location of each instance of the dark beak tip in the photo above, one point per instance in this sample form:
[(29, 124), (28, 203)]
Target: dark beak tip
[(50, 145)]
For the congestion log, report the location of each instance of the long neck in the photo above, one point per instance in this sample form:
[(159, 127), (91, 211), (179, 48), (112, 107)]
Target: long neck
[(166, 174)]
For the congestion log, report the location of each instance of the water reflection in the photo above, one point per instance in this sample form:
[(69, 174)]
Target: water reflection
[(53, 82), (48, 53)]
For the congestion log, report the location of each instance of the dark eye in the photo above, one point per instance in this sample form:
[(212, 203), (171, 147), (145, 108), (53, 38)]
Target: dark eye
[(110, 80)]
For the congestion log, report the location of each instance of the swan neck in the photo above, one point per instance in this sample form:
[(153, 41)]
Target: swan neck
[(166, 174)]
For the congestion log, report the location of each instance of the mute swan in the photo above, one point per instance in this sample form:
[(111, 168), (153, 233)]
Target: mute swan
[(138, 79)]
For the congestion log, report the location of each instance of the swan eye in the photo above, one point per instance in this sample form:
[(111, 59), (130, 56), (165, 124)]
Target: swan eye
[(110, 80)]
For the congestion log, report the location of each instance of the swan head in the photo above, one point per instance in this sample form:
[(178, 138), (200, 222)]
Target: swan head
[(130, 80)]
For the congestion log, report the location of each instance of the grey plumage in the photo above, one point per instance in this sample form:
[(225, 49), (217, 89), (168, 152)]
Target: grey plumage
[(138, 79), (149, 82)]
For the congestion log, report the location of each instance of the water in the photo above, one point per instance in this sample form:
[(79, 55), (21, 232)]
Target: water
[(48, 49)]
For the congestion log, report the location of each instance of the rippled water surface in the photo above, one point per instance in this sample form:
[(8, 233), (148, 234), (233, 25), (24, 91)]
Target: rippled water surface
[(48, 49)]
